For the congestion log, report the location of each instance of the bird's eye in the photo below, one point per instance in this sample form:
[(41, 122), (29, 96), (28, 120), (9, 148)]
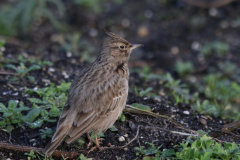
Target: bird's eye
[(121, 47)]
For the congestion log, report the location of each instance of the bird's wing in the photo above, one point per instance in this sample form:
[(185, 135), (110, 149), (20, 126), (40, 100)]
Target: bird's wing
[(110, 96)]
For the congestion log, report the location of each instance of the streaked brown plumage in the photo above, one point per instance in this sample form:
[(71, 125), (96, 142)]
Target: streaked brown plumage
[(98, 94)]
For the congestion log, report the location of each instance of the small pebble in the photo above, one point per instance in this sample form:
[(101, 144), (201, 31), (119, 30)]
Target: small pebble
[(10, 154), (220, 121), (34, 144), (64, 73), (3, 49), (121, 139), (126, 23), (51, 69), (143, 31), (196, 46), (125, 149), (8, 159), (32, 140), (148, 14), (174, 50), (204, 117), (46, 80), (186, 112), (209, 117), (213, 12), (15, 94), (203, 121), (126, 135), (5, 93), (93, 32), (224, 24), (69, 54)]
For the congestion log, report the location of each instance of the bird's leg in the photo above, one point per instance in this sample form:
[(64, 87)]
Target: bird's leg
[(91, 141), (96, 142)]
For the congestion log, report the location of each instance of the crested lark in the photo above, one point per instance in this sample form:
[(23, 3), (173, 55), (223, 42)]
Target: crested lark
[(98, 94)]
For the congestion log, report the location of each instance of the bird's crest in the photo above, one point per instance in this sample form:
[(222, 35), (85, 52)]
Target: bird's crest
[(115, 37)]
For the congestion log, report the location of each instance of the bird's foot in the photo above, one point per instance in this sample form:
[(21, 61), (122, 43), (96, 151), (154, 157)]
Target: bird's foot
[(96, 147), (92, 141)]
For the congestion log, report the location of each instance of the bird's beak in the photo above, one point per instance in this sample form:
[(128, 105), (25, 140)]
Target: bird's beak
[(136, 46)]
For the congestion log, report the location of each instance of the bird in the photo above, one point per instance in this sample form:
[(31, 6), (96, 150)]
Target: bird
[(97, 96)]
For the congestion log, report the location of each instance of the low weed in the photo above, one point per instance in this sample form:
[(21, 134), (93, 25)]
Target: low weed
[(44, 133), (217, 47), (203, 148), (49, 106), (12, 115)]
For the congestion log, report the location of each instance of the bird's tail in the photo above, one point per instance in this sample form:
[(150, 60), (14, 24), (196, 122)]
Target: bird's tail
[(60, 134)]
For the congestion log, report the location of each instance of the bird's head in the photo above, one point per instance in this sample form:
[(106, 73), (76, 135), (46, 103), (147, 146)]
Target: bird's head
[(118, 49)]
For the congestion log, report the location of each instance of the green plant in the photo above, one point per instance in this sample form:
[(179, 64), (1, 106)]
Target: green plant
[(220, 92), (12, 115), (204, 107), (46, 133), (50, 105), (147, 74), (204, 148), (142, 93), (34, 61), (22, 70), (184, 68), (82, 157), (220, 48), (152, 149), (30, 155), (17, 16)]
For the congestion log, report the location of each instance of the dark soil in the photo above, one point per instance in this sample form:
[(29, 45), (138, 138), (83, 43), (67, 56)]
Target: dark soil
[(171, 25)]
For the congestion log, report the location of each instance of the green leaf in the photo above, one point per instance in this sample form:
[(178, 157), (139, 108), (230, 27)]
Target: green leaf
[(2, 108), (36, 124), (141, 106), (2, 43), (33, 67), (12, 104), (33, 114), (148, 158), (9, 128), (7, 114), (113, 128), (35, 100), (145, 92), (123, 118), (31, 78), (64, 86), (12, 67)]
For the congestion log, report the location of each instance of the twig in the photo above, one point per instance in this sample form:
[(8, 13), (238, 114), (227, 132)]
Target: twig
[(207, 3), (8, 73), (11, 86), (174, 132), (132, 109), (36, 150)]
